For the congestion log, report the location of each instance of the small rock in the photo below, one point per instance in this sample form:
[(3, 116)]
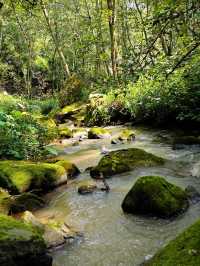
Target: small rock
[(86, 189)]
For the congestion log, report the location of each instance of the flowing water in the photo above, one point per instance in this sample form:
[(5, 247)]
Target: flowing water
[(110, 237)]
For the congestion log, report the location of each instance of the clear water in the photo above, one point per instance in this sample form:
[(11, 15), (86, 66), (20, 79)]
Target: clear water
[(112, 238)]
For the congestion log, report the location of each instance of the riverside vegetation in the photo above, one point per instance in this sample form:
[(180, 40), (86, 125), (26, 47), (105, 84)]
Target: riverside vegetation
[(124, 63)]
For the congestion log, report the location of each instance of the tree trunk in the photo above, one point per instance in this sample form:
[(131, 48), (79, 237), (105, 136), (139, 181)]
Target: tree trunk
[(59, 49), (113, 43)]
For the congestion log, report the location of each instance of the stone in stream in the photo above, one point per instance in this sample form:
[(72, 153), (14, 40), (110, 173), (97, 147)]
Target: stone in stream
[(192, 194), (120, 161), (71, 169), (127, 134), (54, 233), (21, 244), (87, 189), (116, 141), (153, 195), (22, 176), (183, 250), (98, 133)]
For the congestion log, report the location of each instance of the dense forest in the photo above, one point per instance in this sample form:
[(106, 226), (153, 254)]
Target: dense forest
[(101, 88)]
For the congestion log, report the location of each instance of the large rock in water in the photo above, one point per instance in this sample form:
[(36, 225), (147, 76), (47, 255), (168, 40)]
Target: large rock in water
[(183, 251), (98, 133), (153, 195), (121, 161), (71, 169), (21, 244), (127, 134), (22, 176)]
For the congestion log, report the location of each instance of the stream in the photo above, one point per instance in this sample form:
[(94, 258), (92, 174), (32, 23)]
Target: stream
[(110, 237)]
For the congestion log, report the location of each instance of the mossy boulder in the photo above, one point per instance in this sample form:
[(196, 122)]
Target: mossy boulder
[(71, 169), (22, 176), (73, 111), (153, 195), (26, 201), (183, 250), (127, 134), (121, 161), (80, 132), (21, 244), (98, 133), (65, 132), (5, 201)]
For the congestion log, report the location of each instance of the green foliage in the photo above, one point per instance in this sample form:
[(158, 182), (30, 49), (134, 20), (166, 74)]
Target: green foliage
[(22, 135), (157, 98)]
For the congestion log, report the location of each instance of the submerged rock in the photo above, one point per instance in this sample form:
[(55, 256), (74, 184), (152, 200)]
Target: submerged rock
[(21, 244), (127, 134), (192, 194), (121, 161), (180, 142), (86, 189), (98, 133), (183, 250), (22, 176), (153, 195)]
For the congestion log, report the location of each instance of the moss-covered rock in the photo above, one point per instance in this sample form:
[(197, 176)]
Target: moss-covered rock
[(153, 195), (127, 134), (22, 176), (183, 250), (74, 112), (26, 201), (121, 161), (71, 169), (21, 244), (98, 133), (5, 201), (80, 132), (65, 132)]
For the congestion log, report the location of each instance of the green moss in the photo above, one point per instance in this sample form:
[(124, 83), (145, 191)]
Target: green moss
[(72, 108), (5, 201), (19, 241), (65, 132), (98, 133), (79, 132), (21, 176), (70, 168), (184, 250), (155, 196), (121, 161), (127, 134)]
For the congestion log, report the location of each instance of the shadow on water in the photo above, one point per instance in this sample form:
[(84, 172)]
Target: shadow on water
[(111, 237)]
